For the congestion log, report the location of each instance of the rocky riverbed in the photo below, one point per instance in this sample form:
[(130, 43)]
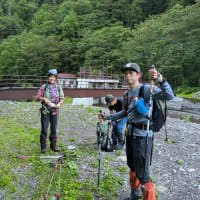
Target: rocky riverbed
[(175, 168)]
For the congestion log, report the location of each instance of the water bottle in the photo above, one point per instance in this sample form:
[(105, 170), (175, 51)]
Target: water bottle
[(140, 106)]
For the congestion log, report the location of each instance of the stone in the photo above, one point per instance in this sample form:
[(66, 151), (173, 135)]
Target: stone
[(162, 189), (196, 95), (181, 169), (71, 147), (174, 171), (122, 158), (191, 170)]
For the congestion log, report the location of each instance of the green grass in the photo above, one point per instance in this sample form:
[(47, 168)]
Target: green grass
[(180, 162), (187, 92), (93, 110), (17, 138), (122, 169), (68, 100), (186, 118), (171, 141)]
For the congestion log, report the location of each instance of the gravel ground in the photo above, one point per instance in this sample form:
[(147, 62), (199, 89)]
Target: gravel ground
[(175, 167)]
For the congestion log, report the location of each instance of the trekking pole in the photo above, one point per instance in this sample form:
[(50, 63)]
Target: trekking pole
[(41, 157), (99, 146), (166, 133), (148, 123), (60, 169), (166, 139), (45, 197)]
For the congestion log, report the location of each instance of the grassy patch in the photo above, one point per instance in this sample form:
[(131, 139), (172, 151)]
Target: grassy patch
[(29, 178), (187, 93), (93, 110), (170, 141), (122, 169), (180, 162), (68, 100)]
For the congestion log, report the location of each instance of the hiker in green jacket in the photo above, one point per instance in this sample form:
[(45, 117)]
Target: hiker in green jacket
[(51, 95)]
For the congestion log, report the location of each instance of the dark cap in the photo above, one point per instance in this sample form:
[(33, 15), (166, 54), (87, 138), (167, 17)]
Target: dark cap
[(131, 66), (109, 99)]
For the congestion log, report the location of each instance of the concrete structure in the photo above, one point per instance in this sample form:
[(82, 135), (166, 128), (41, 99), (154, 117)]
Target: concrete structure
[(30, 93), (67, 80), (97, 83)]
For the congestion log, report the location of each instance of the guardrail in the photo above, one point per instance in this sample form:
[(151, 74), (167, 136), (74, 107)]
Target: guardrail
[(34, 81)]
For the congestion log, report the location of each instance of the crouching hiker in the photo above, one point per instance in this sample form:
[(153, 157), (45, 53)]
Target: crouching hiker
[(140, 129), (51, 96), (115, 105)]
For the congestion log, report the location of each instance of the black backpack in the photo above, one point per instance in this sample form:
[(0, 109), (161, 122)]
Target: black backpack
[(159, 113)]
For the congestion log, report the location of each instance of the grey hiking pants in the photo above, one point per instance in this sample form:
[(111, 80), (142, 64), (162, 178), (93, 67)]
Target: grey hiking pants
[(45, 119), (136, 159)]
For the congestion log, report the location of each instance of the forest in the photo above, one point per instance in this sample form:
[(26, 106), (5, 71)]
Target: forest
[(36, 35)]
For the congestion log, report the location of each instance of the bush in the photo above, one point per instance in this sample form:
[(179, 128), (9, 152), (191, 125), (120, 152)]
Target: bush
[(68, 100), (184, 90)]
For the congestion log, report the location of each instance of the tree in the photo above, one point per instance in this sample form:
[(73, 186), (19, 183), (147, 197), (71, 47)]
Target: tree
[(43, 21), (70, 26), (171, 42), (29, 54), (103, 48), (25, 10), (10, 25)]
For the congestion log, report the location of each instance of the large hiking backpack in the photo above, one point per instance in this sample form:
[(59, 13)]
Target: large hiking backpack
[(43, 104), (103, 137), (46, 85), (159, 113)]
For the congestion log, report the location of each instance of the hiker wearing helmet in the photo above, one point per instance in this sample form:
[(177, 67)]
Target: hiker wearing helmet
[(139, 129), (51, 96), (115, 105)]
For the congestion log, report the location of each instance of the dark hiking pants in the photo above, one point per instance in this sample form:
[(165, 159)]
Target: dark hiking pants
[(136, 159), (45, 119)]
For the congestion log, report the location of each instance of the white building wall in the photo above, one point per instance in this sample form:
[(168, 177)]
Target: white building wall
[(95, 83)]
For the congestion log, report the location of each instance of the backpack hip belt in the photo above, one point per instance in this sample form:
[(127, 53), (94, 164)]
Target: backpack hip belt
[(140, 126)]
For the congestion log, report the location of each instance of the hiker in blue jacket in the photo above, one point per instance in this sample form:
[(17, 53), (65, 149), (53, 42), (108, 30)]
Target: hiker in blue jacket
[(115, 104), (138, 145)]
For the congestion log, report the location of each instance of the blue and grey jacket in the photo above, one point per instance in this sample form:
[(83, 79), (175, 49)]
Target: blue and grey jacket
[(164, 92)]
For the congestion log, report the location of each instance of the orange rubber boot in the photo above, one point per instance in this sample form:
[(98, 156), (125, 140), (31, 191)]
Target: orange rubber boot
[(149, 191), (135, 184), (134, 181)]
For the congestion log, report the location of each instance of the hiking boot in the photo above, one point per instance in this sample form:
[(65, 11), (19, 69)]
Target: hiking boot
[(43, 143), (53, 140), (136, 194), (119, 146), (120, 143), (43, 150), (133, 197)]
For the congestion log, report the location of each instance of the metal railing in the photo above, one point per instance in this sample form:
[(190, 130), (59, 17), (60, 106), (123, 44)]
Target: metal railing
[(34, 81)]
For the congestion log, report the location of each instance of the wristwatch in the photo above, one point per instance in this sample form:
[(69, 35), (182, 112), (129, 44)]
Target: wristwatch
[(160, 78)]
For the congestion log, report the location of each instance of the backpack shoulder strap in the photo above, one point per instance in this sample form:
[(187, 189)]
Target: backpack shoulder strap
[(141, 91), (59, 88), (45, 87), (126, 100)]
